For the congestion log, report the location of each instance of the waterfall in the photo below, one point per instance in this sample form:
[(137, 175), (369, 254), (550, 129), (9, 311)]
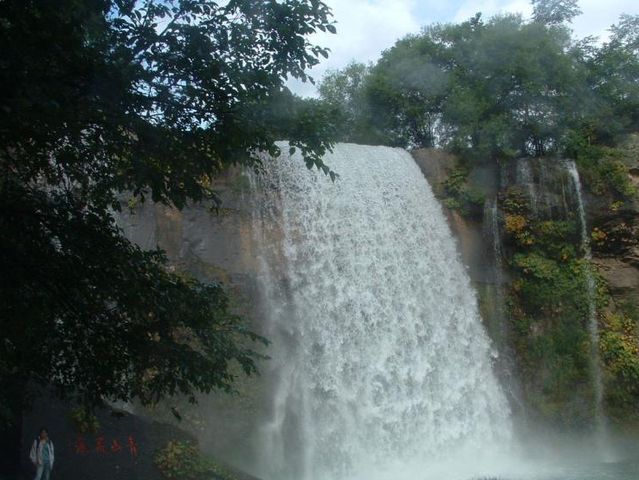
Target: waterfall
[(502, 333), (380, 361), (492, 227), (593, 326), (524, 176)]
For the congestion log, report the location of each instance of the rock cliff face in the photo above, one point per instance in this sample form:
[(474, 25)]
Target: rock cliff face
[(212, 245), (539, 324), (517, 225)]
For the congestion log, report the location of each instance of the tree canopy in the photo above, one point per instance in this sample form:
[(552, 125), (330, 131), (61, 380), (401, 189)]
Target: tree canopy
[(494, 88), (153, 98), (555, 12)]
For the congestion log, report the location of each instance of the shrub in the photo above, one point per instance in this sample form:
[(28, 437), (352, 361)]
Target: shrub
[(619, 350), (604, 171), (517, 227), (83, 420), (458, 195), (549, 309), (557, 239), (515, 201), (183, 461)]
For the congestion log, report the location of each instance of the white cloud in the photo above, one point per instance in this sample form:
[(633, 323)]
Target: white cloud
[(488, 8), (364, 29), (599, 15), (595, 20)]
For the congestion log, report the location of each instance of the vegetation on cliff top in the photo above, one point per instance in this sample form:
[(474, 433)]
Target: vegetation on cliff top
[(495, 88)]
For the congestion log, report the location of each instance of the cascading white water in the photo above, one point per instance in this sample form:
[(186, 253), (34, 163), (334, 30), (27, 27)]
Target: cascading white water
[(525, 177), (380, 358), (593, 325)]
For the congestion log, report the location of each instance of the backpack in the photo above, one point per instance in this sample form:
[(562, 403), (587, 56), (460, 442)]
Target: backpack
[(37, 444)]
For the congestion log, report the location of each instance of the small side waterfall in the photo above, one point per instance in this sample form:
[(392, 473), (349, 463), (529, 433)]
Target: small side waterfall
[(593, 325), (380, 362), (525, 177), (495, 239), (502, 333)]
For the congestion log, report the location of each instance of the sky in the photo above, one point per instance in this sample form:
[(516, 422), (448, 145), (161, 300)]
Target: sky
[(367, 27)]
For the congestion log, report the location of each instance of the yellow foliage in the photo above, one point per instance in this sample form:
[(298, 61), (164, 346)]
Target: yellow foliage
[(598, 236), (515, 223)]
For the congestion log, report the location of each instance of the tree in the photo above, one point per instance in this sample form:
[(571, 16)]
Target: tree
[(496, 88), (490, 89), (555, 12), (151, 97), (614, 72), (405, 91), (343, 91), (610, 108)]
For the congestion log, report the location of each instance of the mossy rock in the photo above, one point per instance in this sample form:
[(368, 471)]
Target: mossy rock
[(182, 460)]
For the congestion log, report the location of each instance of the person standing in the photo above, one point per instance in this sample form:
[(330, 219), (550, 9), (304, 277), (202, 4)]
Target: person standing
[(42, 455)]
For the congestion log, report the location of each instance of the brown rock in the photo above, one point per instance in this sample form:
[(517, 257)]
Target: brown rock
[(435, 164), (622, 277)]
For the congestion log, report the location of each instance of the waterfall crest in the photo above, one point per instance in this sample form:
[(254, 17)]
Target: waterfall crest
[(379, 354)]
